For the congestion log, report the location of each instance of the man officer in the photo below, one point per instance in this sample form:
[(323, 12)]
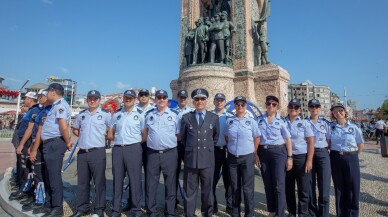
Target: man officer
[(220, 154), (199, 132), (161, 125), (90, 127), (56, 139)]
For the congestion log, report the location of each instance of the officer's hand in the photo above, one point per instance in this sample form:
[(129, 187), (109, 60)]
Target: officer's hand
[(70, 146), (28, 151), (289, 164), (33, 156), (19, 149), (257, 161), (309, 166)]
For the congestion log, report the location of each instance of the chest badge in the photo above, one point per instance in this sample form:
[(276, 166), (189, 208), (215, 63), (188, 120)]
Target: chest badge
[(299, 124), (276, 123), (136, 118), (248, 123), (33, 116), (119, 117), (351, 130), (322, 127), (169, 118), (99, 117)]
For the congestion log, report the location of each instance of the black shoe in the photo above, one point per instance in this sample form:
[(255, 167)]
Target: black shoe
[(19, 195), (29, 200), (126, 208), (215, 209), (99, 213), (228, 210), (30, 206), (54, 213), (79, 214), (15, 188), (41, 210)]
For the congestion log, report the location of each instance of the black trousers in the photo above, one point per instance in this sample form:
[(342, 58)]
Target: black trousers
[(320, 174), (346, 178), (221, 169), (91, 165), (25, 165), (303, 181), (54, 152), (145, 162), (181, 156), (192, 178), (164, 162), (242, 175), (273, 170), (127, 159)]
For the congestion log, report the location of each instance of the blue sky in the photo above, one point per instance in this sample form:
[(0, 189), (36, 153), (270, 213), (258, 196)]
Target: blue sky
[(113, 45)]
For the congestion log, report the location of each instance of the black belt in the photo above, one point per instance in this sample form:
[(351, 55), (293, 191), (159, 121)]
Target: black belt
[(125, 145), (320, 149), (89, 150), (237, 156), (53, 139), (220, 147), (271, 146), (161, 151), (344, 152)]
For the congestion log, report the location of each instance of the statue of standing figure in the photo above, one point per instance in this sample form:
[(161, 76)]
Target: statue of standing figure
[(263, 48), (189, 45), (228, 27), (201, 36), (218, 41)]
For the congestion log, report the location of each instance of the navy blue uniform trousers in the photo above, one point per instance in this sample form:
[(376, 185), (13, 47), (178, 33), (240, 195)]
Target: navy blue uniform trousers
[(54, 152), (273, 170), (221, 165), (242, 175), (303, 180), (91, 165), (346, 178), (320, 175)]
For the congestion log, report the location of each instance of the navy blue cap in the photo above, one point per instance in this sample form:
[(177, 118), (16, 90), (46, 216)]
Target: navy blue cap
[(130, 93), (182, 93), (56, 86), (313, 102), (161, 93), (294, 102), (145, 91), (274, 98), (219, 96), (335, 105), (200, 92), (240, 98), (94, 93)]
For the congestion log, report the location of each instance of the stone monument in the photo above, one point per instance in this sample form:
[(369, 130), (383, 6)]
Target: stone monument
[(229, 43)]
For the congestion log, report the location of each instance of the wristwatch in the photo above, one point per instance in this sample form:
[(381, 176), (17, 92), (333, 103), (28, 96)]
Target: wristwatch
[(289, 157)]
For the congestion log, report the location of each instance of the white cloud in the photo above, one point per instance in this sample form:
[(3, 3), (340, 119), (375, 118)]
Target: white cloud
[(121, 86), (93, 84), (47, 2), (63, 69)]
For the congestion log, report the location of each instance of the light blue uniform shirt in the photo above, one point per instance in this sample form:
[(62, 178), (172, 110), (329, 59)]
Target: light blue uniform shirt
[(241, 134), (273, 133), (197, 115), (299, 130), (92, 128), (162, 129), (59, 109), (128, 126), (222, 120), (345, 138), (182, 112), (321, 131), (146, 109)]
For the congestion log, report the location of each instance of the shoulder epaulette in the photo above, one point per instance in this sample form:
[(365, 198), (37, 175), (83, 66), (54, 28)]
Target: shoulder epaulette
[(103, 110), (82, 111), (229, 113), (325, 120), (175, 111), (149, 111), (139, 110), (118, 110)]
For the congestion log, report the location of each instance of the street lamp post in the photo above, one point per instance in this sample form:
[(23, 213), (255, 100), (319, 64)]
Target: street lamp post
[(19, 98)]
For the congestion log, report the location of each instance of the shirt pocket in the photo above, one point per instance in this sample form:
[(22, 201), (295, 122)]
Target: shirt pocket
[(169, 126)]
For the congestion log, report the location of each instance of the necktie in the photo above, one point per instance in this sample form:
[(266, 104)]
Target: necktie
[(200, 119)]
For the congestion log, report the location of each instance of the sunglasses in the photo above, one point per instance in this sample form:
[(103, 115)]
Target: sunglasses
[(274, 104), (161, 97), (293, 107), (338, 111), (314, 106), (143, 94), (200, 99), (241, 104)]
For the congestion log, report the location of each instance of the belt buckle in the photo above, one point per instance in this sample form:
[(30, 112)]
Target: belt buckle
[(265, 146), (237, 155), (160, 152), (87, 150), (222, 147), (341, 153)]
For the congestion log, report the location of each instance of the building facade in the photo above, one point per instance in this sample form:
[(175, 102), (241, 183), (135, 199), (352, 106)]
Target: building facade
[(69, 86)]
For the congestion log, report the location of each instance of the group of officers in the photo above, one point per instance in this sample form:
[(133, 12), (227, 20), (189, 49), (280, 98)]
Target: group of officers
[(212, 144)]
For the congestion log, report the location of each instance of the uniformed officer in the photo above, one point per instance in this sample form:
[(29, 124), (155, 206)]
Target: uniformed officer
[(182, 109), (90, 127), (221, 167), (243, 137), (56, 139), (36, 158), (321, 170), (127, 130), (199, 132), (346, 143), (275, 154), (302, 139), (24, 134), (161, 125), (42, 202)]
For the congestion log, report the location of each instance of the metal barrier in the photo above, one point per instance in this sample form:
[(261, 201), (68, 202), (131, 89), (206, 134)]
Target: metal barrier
[(6, 133)]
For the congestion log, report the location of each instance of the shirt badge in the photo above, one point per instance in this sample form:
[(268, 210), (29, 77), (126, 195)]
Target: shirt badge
[(135, 117), (248, 123), (299, 124), (169, 118), (322, 127), (83, 117), (231, 122), (99, 117), (351, 130), (276, 123), (33, 116), (118, 117), (151, 118), (61, 110)]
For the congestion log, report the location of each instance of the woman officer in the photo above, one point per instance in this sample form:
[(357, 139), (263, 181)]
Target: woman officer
[(302, 138), (321, 171), (346, 143), (275, 154)]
